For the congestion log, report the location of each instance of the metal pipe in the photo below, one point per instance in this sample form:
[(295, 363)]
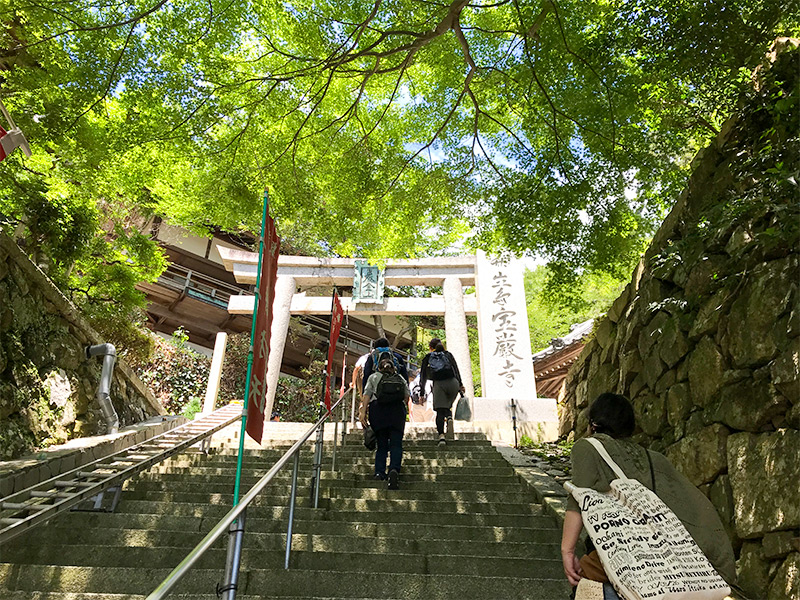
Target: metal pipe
[(220, 528), (292, 498), (514, 420), (344, 422), (234, 559), (109, 354)]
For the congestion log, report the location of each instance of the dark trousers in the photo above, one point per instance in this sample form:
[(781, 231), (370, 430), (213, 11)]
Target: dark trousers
[(390, 442), (442, 414)]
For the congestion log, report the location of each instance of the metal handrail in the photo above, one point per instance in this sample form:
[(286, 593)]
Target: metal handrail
[(222, 527)]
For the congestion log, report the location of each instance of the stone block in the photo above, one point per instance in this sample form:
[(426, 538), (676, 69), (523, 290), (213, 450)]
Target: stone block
[(710, 314), (748, 405), (793, 323), (753, 570), (721, 496), (764, 470), (637, 385), (786, 583), (785, 371), (701, 456), (706, 369), (672, 344), (605, 332), (760, 304), (629, 366), (650, 413), (651, 333), (793, 417), (604, 379), (705, 274), (778, 544), (666, 381), (679, 404), (652, 369), (581, 394), (618, 307)]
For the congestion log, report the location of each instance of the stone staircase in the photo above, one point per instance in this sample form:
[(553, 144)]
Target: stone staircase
[(462, 525)]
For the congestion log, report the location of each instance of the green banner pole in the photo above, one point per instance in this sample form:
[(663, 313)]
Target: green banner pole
[(256, 304)]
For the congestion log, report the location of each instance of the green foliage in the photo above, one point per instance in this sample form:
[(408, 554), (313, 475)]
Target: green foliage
[(551, 314), (176, 374), (762, 209), (298, 398), (234, 369), (379, 129), (194, 406)]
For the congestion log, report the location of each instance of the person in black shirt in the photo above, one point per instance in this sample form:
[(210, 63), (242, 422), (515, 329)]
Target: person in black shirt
[(440, 367)]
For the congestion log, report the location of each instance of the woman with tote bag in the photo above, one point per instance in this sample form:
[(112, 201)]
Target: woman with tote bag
[(598, 469)]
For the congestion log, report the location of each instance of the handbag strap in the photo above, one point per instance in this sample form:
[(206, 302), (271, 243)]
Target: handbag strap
[(598, 445)]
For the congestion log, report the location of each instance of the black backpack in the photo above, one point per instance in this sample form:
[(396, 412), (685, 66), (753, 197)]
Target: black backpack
[(439, 366), (391, 388)]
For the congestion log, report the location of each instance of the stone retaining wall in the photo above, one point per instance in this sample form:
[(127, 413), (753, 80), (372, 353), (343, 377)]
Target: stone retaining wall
[(705, 340), (47, 386)]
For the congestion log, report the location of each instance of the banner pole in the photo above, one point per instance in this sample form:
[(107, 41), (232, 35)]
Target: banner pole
[(256, 305)]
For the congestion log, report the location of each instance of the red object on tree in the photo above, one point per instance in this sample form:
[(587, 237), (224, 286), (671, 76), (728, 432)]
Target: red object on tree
[(256, 402), (337, 315)]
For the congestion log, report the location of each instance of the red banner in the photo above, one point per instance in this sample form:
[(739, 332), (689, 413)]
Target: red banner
[(337, 314), (256, 402)]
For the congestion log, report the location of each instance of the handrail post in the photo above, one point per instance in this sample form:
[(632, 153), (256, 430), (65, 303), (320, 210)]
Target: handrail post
[(343, 408), (292, 498), (335, 444), (353, 408), (317, 465), (236, 535)]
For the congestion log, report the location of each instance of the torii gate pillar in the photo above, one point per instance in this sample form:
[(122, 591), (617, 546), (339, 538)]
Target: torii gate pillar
[(455, 326)]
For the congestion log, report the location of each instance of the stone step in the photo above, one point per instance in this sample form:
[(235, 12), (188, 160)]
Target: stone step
[(273, 518), (341, 559), (278, 496), (416, 483), (409, 466), (212, 481), (542, 544), (294, 583), (168, 531), (341, 504)]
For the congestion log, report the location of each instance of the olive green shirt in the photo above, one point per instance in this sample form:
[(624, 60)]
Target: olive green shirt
[(688, 503)]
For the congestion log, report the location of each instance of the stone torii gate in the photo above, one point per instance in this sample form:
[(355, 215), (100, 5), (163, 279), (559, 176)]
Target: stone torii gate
[(499, 301)]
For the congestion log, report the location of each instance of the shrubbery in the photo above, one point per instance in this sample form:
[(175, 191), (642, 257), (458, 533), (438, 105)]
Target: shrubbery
[(178, 376), (175, 373)]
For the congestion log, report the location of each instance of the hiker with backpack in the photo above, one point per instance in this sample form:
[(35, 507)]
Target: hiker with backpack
[(381, 346), (441, 368), (387, 396)]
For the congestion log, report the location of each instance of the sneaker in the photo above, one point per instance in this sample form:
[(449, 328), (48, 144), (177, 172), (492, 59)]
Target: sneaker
[(393, 480), (450, 433), (442, 440), (379, 476)]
